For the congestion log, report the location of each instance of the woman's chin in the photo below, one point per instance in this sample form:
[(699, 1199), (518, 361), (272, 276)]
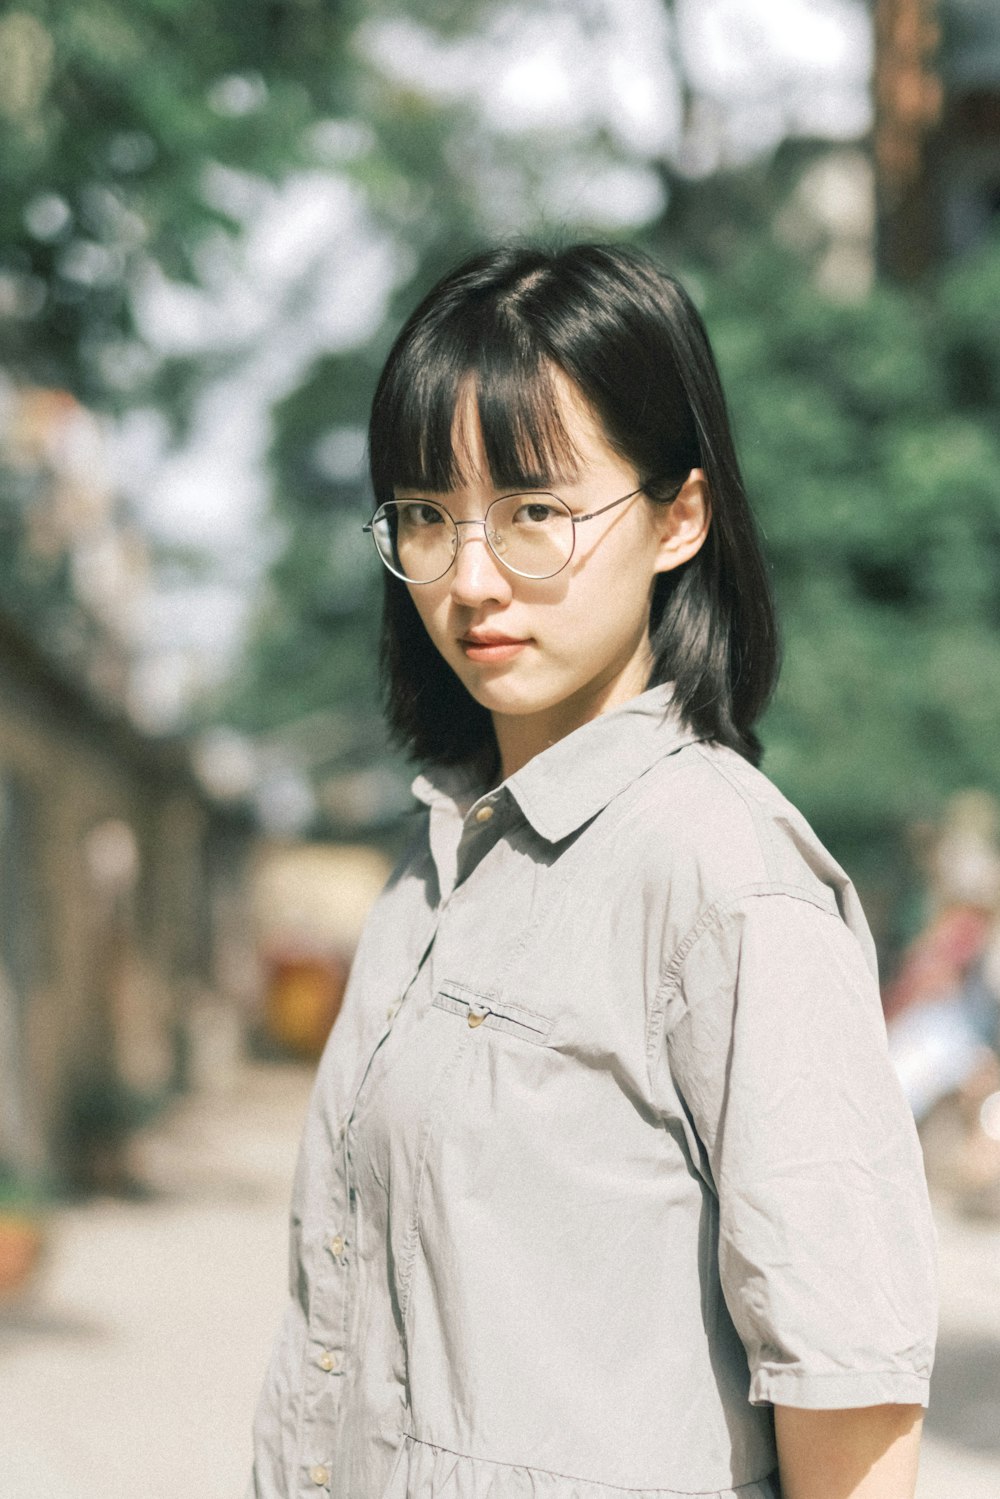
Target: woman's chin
[(502, 693)]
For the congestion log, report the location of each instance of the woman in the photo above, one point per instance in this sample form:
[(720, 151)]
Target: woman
[(606, 1183)]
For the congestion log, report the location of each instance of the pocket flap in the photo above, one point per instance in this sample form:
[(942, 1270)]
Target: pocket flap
[(476, 1008)]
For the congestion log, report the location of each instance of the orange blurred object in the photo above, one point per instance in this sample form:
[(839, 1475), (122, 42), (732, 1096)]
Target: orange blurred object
[(302, 1000), (22, 1239)]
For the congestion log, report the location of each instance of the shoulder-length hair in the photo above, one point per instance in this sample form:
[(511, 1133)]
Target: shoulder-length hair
[(630, 338)]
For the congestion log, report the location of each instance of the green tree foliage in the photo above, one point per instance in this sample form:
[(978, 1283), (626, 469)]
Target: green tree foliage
[(110, 115), (869, 438), (113, 118)]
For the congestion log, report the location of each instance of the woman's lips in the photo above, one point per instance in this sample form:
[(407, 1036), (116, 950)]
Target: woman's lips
[(491, 648)]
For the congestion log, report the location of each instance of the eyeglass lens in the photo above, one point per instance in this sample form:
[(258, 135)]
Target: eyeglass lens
[(532, 534)]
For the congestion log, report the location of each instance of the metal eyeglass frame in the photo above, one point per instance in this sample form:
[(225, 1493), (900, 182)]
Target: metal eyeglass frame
[(577, 520)]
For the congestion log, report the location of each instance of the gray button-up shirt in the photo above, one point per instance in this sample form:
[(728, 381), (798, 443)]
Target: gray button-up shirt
[(604, 1154)]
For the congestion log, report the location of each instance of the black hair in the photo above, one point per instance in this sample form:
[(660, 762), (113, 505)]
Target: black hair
[(632, 341)]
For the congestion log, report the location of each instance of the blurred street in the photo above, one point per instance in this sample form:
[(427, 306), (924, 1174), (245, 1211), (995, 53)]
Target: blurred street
[(134, 1370)]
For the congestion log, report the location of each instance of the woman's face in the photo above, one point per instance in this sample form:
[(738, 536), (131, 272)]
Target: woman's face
[(546, 655)]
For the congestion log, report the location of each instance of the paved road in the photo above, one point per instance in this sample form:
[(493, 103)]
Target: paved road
[(133, 1373)]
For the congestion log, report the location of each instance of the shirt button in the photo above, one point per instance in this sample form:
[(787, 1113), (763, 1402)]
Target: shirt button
[(319, 1474), (328, 1361), (484, 814), (337, 1245), (390, 1013), (475, 1018)]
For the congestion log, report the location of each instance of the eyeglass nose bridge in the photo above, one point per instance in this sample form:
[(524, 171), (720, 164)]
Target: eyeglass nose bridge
[(490, 535)]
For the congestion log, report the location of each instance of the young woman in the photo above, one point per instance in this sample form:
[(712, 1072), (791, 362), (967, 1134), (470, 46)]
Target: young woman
[(606, 1183)]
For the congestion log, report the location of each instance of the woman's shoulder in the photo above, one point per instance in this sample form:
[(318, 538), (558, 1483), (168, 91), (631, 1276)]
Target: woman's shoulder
[(722, 844), (713, 816)]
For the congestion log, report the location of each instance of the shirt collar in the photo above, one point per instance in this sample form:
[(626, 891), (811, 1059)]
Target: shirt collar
[(570, 782)]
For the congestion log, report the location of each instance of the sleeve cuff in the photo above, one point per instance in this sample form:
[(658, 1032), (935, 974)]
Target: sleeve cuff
[(838, 1391)]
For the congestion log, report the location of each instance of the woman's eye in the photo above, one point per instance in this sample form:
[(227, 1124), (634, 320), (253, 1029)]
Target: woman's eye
[(534, 513), (418, 517)]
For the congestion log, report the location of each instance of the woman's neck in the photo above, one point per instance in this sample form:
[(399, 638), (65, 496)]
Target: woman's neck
[(520, 737)]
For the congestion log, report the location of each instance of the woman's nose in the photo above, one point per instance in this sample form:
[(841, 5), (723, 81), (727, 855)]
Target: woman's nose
[(477, 575)]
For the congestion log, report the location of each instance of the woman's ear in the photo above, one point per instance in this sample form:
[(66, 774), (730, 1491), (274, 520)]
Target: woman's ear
[(683, 523)]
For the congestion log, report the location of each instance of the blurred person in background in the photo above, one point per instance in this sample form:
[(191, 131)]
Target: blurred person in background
[(607, 1183), (943, 1007)]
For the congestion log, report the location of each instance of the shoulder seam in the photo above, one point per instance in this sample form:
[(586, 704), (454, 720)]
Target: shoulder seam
[(711, 917)]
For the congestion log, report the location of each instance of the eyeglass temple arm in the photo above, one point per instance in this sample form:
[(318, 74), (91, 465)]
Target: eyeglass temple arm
[(576, 519)]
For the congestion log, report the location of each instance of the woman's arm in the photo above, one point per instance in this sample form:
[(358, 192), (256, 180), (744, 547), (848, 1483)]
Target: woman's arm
[(869, 1453)]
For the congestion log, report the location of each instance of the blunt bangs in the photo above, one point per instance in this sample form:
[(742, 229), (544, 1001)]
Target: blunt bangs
[(419, 430)]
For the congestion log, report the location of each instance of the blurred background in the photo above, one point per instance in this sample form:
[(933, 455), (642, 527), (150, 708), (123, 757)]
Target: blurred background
[(213, 216)]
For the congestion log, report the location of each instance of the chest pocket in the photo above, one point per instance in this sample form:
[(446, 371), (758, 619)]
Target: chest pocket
[(485, 1010)]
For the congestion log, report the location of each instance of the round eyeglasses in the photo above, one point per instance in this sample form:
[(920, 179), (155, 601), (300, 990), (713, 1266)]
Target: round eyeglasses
[(532, 535)]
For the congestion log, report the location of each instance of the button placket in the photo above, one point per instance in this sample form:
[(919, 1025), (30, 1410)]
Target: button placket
[(482, 830), (332, 1358), (329, 1365)]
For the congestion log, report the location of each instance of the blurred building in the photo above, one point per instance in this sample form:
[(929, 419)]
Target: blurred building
[(937, 130), (126, 946), (123, 921)]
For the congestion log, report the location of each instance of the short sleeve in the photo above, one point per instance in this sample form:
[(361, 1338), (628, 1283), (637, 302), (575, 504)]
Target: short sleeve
[(776, 1046)]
